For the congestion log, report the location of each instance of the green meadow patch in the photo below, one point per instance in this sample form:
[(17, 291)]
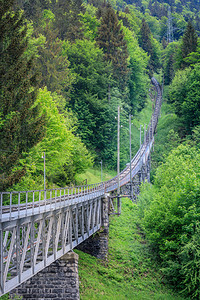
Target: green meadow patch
[(129, 272)]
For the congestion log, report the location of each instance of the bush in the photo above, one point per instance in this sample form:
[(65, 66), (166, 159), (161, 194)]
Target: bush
[(171, 215)]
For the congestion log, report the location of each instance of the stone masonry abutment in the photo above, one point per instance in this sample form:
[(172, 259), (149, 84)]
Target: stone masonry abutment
[(58, 281)]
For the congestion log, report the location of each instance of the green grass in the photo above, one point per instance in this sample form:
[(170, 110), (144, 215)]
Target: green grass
[(93, 175), (130, 272)]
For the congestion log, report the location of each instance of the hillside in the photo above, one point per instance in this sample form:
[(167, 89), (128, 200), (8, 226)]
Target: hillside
[(65, 68), (130, 272)]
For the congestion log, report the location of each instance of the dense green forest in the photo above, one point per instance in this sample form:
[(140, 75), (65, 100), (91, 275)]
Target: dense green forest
[(66, 66)]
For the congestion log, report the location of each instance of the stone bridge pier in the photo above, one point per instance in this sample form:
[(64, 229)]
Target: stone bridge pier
[(60, 280)]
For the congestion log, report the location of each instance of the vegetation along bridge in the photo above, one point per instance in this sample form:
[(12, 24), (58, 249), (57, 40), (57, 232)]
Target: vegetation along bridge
[(45, 225)]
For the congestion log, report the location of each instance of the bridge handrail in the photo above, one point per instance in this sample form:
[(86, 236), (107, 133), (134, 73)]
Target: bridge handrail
[(43, 198), (74, 190), (149, 136)]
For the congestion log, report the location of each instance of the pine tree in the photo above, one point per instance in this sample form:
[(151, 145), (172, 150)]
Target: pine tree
[(187, 46), (32, 8), (67, 18), (111, 39), (145, 41), (20, 127), (145, 37), (53, 66), (189, 40)]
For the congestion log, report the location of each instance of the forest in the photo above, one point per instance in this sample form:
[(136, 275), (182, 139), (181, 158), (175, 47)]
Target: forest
[(66, 66)]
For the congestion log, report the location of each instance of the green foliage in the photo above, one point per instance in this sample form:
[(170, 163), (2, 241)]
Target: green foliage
[(111, 40), (194, 57), (93, 175), (145, 37), (89, 102), (32, 9), (129, 272), (149, 45), (34, 43), (184, 94), (194, 139), (188, 45), (65, 153), (171, 218), (166, 139), (153, 24), (168, 61), (137, 75), (133, 19), (52, 65), (90, 22), (67, 20), (21, 125)]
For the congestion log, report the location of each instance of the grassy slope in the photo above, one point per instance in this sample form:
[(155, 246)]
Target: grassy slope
[(129, 272), (93, 175)]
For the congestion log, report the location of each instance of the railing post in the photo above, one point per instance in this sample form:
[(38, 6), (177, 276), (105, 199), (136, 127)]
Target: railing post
[(55, 197), (75, 196), (39, 200), (1, 207), (45, 200), (18, 204), (26, 202), (64, 196), (1, 259), (33, 202), (10, 204), (50, 199)]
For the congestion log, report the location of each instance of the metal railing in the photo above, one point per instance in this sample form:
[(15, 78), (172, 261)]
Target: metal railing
[(39, 226), (24, 203), (17, 204)]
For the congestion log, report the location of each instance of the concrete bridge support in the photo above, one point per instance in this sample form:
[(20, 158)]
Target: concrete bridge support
[(97, 245), (58, 281)]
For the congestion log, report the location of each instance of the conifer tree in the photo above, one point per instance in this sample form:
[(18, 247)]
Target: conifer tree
[(145, 37), (67, 18), (32, 8), (188, 45), (189, 40), (53, 66), (111, 39), (20, 127), (145, 41)]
